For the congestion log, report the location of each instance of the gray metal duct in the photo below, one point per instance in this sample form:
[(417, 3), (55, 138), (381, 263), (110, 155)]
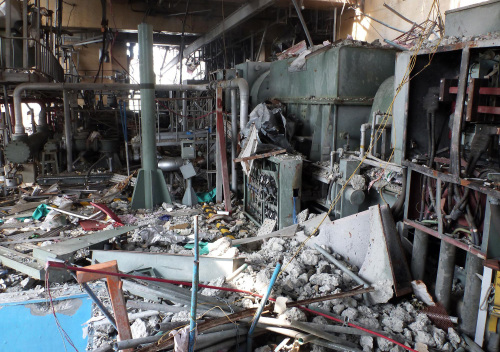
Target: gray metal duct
[(170, 163)]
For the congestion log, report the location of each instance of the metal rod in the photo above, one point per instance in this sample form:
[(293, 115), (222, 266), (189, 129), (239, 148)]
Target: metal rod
[(261, 307), (382, 23), (67, 132), (194, 288), (334, 24), (97, 301), (303, 22), (261, 44), (236, 272), (396, 45), (344, 268)]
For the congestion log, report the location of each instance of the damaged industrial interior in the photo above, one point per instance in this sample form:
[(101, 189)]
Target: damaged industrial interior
[(249, 175)]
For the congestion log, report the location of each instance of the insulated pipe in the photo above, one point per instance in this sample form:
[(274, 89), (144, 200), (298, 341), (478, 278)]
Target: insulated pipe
[(234, 141), (472, 293), (419, 254), (446, 269), (17, 95), (242, 85)]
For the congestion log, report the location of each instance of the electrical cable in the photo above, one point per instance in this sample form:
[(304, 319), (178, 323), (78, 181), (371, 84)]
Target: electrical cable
[(61, 265)]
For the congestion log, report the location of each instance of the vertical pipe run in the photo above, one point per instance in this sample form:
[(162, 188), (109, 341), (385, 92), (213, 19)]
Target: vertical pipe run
[(184, 112), (67, 132), (419, 254), (234, 141), (334, 25), (8, 34), (472, 292), (303, 22), (25, 34), (194, 289), (261, 307), (446, 270)]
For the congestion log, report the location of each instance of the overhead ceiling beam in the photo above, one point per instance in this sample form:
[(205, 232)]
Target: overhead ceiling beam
[(233, 20)]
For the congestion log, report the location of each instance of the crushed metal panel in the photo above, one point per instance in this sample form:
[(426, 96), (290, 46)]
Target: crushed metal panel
[(170, 266), (66, 249)]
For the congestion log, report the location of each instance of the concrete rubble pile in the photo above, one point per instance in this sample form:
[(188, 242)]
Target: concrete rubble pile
[(168, 230)]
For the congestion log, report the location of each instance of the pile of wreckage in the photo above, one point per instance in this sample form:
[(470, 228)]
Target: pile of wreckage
[(315, 285)]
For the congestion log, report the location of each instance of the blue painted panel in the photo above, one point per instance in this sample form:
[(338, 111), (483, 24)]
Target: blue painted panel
[(30, 325)]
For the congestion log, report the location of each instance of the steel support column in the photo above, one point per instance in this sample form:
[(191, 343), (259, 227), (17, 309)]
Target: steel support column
[(473, 266), (150, 189), (446, 269), (419, 254)]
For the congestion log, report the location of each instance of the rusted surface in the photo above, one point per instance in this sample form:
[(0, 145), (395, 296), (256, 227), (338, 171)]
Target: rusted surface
[(466, 247), (222, 150), (115, 293), (456, 129)]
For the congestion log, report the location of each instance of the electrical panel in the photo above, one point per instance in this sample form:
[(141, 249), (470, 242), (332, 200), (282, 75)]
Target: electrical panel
[(273, 189)]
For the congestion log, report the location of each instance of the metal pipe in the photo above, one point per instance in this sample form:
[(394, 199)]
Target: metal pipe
[(303, 22), (300, 336), (236, 272), (234, 141), (132, 343), (207, 340), (242, 85), (25, 34), (321, 334), (446, 269), (18, 91), (261, 307), (97, 301), (419, 254), (8, 33), (67, 130), (472, 293), (338, 329), (396, 45), (194, 289), (342, 267), (334, 24), (223, 346), (170, 163), (334, 346), (184, 112)]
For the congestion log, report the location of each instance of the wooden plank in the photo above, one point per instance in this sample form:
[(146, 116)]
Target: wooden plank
[(260, 156)]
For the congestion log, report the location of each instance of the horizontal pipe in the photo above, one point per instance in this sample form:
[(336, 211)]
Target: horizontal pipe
[(323, 335), (132, 343), (17, 95), (170, 163)]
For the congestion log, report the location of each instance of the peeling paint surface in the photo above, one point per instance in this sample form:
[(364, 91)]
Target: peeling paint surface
[(30, 325)]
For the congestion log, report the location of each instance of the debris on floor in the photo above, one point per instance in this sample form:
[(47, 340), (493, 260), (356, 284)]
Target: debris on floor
[(312, 292)]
